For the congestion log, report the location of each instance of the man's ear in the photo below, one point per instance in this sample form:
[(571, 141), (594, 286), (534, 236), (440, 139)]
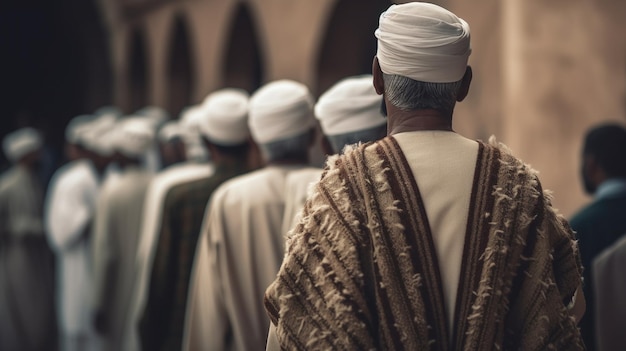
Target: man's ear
[(465, 84), (379, 83)]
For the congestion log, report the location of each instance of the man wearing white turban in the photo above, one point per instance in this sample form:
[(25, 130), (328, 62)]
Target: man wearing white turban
[(241, 244), (349, 113), (167, 258), (116, 231), (69, 209), (26, 275), (426, 239)]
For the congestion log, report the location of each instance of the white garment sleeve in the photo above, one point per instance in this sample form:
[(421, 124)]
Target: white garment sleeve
[(69, 209)]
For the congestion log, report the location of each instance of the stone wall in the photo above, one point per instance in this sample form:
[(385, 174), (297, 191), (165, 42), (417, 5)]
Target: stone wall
[(544, 72)]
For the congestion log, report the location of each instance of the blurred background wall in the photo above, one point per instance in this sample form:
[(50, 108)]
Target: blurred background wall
[(544, 72)]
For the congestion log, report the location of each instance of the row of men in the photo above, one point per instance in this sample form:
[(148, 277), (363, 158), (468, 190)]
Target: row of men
[(125, 237), (423, 239)]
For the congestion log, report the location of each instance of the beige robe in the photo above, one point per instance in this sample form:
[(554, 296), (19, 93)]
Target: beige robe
[(238, 255), (149, 236), (26, 270), (116, 236), (609, 286)]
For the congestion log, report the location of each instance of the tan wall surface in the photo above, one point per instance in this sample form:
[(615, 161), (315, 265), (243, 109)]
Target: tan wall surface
[(543, 71)]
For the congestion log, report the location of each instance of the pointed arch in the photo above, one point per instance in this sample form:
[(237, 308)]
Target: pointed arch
[(348, 45), (242, 61), (180, 69), (138, 72)]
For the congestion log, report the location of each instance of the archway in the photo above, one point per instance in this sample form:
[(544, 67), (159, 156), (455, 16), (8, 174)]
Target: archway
[(138, 72), (242, 65), (348, 45), (179, 69)]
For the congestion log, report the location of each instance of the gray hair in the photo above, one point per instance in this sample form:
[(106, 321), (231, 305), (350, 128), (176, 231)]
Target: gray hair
[(292, 147), (408, 94), (338, 142)]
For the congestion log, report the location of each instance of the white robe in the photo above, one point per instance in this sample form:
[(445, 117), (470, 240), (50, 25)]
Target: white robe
[(26, 272), (609, 286), (149, 236), (114, 248), (70, 206), (238, 255)]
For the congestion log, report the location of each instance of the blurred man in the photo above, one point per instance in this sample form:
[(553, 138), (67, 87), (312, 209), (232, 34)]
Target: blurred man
[(426, 240), (116, 231), (70, 207), (171, 144), (602, 222), (26, 274), (225, 133), (241, 244), (349, 113)]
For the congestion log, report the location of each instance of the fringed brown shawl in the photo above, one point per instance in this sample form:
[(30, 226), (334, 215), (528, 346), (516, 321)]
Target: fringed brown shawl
[(360, 270)]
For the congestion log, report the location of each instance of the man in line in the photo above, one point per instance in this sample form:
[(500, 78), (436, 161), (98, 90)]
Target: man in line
[(427, 239), (26, 274), (69, 210), (116, 231), (241, 245), (225, 133), (178, 170), (349, 113), (603, 222)]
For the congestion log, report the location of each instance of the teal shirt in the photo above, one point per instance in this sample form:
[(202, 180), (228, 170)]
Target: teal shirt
[(598, 226)]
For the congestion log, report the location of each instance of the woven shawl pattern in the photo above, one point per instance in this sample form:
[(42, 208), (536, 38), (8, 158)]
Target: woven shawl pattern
[(360, 270)]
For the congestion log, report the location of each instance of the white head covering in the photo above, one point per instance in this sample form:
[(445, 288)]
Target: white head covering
[(77, 127), (225, 117), (155, 114), (191, 120), (170, 131), (279, 110), (424, 42), (350, 105), (94, 135), (134, 136), (20, 143)]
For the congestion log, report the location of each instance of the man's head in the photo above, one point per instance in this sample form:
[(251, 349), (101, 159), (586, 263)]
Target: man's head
[(23, 147), (171, 146), (224, 123), (421, 62), (349, 112), (131, 139), (604, 155), (281, 121)]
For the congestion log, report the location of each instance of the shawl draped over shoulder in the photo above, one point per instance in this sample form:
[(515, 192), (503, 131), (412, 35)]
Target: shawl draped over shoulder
[(360, 270)]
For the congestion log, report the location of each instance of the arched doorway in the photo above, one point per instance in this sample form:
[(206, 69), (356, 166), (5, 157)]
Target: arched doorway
[(348, 45), (242, 62), (179, 69), (138, 72)]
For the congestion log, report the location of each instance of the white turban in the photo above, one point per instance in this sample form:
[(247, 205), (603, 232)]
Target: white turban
[(96, 136), (225, 117), (424, 42), (155, 114), (77, 127), (350, 105), (280, 110), (20, 143), (133, 136), (170, 131)]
